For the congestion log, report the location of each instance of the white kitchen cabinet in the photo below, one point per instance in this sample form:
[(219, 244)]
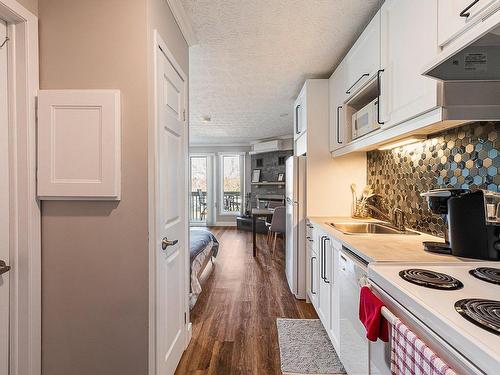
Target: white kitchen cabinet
[(406, 45), (312, 271), (457, 16), (337, 96), (311, 117), (334, 333), (78, 144), (313, 276), (363, 59), (325, 281), (300, 114)]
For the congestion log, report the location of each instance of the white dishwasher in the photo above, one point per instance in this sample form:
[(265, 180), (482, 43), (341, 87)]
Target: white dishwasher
[(353, 341)]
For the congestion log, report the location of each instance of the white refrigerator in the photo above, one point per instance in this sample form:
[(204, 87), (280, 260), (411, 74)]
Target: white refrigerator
[(295, 258)]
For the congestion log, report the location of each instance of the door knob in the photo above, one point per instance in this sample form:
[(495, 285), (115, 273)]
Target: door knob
[(165, 242), (3, 267)]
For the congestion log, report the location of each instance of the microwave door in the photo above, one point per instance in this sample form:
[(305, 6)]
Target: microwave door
[(362, 124)]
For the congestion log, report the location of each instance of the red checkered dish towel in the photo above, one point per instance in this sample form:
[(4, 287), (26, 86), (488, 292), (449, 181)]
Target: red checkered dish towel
[(410, 355)]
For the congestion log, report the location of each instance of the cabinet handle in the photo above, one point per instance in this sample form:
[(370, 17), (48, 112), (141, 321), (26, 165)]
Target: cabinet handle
[(312, 274), (338, 125), (465, 13), (321, 257), (297, 119), (379, 91), (354, 84), (326, 278)]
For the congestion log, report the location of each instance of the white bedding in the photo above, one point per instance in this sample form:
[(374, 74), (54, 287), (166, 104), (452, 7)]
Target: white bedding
[(196, 272)]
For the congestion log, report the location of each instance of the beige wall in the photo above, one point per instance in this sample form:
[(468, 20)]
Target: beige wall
[(94, 254), (31, 5)]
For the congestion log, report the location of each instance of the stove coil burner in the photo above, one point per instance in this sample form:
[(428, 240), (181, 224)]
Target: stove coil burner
[(431, 279), (488, 274), (484, 313)]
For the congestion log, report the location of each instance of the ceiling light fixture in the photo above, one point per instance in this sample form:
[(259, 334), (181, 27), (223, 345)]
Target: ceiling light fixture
[(402, 142), (206, 118)]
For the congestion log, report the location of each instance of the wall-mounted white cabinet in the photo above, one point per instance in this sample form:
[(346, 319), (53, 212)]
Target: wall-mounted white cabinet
[(405, 47), (457, 16), (310, 113), (300, 114), (338, 128), (79, 144), (405, 102), (363, 60)]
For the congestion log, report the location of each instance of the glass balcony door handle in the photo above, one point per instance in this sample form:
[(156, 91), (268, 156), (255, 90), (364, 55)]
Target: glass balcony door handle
[(3, 267), (165, 242)]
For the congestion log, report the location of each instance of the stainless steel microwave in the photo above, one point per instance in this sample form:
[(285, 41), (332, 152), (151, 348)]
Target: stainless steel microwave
[(365, 121)]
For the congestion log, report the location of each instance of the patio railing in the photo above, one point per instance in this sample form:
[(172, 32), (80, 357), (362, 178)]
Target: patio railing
[(198, 208)]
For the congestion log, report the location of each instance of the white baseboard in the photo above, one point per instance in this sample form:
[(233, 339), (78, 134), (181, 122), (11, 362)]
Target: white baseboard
[(225, 224)]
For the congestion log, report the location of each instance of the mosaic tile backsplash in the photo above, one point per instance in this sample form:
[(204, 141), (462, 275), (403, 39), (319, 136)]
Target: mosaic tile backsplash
[(464, 157)]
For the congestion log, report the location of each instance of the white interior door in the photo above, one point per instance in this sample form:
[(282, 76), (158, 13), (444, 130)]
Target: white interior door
[(4, 208), (171, 216)]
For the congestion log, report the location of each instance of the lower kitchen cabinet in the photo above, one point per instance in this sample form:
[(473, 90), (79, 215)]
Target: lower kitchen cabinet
[(325, 283), (336, 247), (312, 273), (323, 290)]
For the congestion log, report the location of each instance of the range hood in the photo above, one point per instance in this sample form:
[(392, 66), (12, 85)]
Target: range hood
[(475, 56)]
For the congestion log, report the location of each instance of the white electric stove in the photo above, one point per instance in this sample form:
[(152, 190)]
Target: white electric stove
[(461, 309)]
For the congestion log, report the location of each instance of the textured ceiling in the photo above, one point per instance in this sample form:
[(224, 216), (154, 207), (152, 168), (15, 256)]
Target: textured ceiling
[(253, 57)]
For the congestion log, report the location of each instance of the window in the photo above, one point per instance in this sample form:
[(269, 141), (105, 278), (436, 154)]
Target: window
[(231, 184), (198, 198)]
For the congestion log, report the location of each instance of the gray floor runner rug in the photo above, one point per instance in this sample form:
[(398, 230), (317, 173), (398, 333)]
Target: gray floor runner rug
[(306, 349)]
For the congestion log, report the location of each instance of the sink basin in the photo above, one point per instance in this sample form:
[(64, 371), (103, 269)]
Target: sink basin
[(369, 228)]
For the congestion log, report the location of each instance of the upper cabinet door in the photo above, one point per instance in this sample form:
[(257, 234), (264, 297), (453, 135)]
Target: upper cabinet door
[(455, 16), (300, 115), (337, 96), (363, 60), (407, 45)]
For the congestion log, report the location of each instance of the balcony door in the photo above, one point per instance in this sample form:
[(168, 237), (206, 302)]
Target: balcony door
[(231, 184), (200, 199)]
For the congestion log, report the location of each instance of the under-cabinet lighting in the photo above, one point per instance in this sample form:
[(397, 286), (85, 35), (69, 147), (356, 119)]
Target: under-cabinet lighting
[(402, 142)]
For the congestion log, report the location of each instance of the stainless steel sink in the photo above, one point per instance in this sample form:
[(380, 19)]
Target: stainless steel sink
[(369, 228)]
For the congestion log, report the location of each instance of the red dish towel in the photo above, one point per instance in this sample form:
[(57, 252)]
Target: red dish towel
[(371, 316), (411, 356)]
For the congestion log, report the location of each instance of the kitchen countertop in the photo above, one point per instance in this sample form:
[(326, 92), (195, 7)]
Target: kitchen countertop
[(384, 247)]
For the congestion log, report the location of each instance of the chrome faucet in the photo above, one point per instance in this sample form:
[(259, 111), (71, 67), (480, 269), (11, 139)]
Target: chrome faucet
[(397, 218)]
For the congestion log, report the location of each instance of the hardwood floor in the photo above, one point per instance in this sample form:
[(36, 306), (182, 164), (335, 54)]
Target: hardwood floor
[(234, 321)]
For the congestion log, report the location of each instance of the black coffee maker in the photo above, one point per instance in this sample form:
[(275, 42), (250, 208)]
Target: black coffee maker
[(473, 222)]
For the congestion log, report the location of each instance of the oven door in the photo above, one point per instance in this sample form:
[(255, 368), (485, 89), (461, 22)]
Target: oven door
[(380, 352)]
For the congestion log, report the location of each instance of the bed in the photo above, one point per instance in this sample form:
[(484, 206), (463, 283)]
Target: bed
[(203, 248)]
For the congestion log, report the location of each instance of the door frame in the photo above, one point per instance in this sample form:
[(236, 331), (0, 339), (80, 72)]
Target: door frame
[(159, 44), (25, 248)]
